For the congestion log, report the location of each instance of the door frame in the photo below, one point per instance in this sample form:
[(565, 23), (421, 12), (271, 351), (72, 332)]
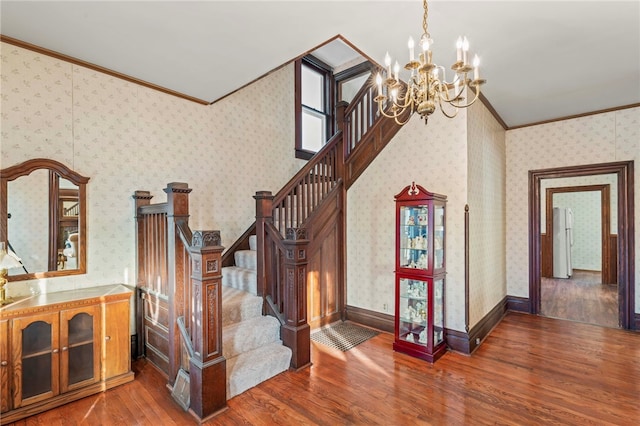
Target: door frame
[(608, 273), (626, 232)]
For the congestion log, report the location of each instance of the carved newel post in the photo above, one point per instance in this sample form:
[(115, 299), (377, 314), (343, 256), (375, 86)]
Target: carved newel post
[(207, 368), (295, 332), (177, 212), (142, 198), (264, 208)]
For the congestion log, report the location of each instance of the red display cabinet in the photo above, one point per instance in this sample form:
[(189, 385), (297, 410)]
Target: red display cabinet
[(420, 273)]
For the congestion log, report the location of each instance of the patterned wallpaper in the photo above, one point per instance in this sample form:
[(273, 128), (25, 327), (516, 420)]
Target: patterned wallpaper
[(126, 137), (601, 138), (431, 156), (487, 208), (586, 252), (611, 180), (434, 157)]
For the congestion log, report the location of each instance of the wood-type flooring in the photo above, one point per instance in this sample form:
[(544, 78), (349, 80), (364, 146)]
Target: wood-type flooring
[(530, 370), (582, 298)]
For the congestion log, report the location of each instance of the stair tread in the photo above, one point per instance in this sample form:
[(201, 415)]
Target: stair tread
[(246, 259), (240, 278), (248, 369), (239, 305), (249, 334)]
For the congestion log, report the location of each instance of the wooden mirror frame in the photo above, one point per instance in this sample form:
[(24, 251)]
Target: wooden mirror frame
[(25, 169)]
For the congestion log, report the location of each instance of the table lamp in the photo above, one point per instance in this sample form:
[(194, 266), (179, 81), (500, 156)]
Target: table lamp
[(8, 260)]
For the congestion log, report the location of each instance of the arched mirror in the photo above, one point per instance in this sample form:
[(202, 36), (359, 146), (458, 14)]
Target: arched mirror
[(43, 218)]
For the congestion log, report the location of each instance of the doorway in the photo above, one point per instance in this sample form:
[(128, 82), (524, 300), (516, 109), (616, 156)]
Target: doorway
[(579, 262), (625, 266)]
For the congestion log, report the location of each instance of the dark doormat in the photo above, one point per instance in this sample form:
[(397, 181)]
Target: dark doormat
[(343, 335)]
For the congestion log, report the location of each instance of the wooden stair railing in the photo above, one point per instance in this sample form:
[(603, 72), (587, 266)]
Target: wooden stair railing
[(282, 245), (366, 132), (286, 230), (179, 275)]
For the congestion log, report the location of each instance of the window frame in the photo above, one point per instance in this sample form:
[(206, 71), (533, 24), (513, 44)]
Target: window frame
[(329, 102)]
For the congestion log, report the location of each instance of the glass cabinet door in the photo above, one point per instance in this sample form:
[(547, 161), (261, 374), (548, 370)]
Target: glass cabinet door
[(438, 237), (36, 338), (413, 307), (438, 311), (414, 237), (78, 338)]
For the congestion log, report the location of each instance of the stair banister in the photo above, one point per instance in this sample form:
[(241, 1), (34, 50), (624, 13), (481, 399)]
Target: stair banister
[(188, 269), (207, 366), (282, 279)]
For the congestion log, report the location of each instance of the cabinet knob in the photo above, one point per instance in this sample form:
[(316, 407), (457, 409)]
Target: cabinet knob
[(107, 338), (64, 348), (4, 363), (55, 351)]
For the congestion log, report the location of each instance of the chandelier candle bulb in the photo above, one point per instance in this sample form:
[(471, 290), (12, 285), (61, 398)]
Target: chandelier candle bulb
[(396, 70), (465, 50), (476, 72), (411, 52), (459, 49), (379, 83), (387, 62)]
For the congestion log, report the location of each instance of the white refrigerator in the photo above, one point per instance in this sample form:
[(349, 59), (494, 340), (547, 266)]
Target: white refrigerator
[(562, 242)]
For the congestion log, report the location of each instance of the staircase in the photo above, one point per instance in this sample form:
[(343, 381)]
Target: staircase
[(208, 321), (251, 341)]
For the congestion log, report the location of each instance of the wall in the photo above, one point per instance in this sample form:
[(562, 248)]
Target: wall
[(601, 138), (126, 137), (431, 156), (434, 156), (610, 179), (487, 209), (586, 252)]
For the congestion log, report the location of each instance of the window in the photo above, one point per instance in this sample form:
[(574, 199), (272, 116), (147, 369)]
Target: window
[(317, 89), (314, 101)]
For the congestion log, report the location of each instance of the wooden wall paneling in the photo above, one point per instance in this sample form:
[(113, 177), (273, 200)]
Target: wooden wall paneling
[(324, 283), (612, 277)]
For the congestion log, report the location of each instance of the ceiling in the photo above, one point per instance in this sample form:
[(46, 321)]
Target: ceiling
[(543, 60)]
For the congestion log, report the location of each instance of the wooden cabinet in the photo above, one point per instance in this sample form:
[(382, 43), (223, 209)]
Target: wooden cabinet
[(116, 339), (420, 273), (59, 347), (5, 388)]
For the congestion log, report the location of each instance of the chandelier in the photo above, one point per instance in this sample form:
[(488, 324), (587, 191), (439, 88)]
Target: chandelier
[(427, 87)]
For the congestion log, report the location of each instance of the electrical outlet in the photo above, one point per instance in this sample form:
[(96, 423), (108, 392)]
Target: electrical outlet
[(477, 340), (385, 307)]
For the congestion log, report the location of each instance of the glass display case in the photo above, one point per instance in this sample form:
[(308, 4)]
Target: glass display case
[(420, 273)]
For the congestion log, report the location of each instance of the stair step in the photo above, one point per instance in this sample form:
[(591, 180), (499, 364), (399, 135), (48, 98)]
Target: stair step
[(240, 278), (239, 305), (246, 259), (253, 242), (249, 334), (254, 367)]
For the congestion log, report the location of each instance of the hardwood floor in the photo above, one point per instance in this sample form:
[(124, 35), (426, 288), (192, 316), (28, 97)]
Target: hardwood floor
[(580, 298), (530, 370)]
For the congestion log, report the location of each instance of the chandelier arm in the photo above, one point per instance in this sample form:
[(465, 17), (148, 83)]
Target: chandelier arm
[(397, 112), (475, 98), (402, 123), (444, 112)]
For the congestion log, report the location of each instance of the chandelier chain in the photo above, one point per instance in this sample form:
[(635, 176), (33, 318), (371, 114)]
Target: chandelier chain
[(424, 18)]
